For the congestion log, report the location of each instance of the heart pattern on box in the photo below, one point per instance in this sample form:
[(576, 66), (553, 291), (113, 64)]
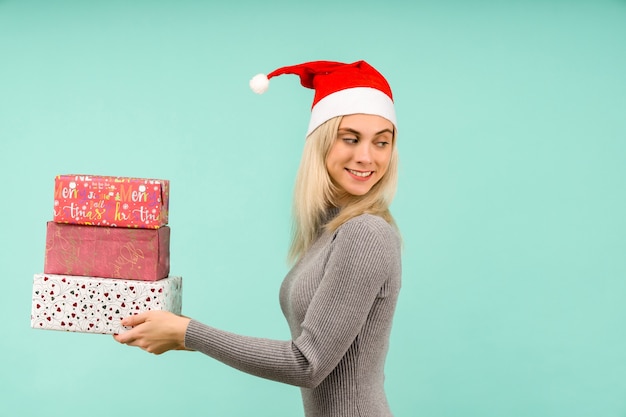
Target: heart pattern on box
[(97, 305)]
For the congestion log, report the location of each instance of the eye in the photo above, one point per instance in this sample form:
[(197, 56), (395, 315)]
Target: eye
[(349, 139), (382, 144)]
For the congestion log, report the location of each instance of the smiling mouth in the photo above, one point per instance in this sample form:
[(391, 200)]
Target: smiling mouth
[(362, 174)]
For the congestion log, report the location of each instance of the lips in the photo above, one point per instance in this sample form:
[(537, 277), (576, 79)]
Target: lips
[(360, 175)]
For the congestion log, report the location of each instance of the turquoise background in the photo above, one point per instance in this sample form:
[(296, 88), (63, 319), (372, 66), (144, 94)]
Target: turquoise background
[(511, 201)]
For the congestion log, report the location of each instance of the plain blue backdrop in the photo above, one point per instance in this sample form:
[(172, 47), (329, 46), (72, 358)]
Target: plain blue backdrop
[(512, 136)]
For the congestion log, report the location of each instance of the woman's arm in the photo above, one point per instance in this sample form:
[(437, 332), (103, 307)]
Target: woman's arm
[(365, 254)]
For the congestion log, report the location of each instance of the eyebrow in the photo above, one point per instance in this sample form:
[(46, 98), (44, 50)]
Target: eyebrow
[(356, 132)]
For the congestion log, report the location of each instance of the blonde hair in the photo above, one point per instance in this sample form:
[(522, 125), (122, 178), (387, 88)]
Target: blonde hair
[(315, 193)]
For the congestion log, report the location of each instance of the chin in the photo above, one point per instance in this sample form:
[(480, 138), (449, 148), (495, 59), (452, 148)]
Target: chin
[(358, 193)]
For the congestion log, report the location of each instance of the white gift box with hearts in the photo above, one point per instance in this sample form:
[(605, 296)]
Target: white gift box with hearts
[(97, 305)]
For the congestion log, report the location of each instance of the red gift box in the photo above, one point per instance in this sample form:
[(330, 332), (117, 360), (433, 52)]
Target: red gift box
[(107, 252), (111, 201)]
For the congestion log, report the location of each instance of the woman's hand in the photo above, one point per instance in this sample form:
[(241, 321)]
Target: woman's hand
[(155, 331)]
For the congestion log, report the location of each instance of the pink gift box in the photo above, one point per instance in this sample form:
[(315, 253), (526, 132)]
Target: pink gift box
[(111, 201), (97, 305), (108, 252)]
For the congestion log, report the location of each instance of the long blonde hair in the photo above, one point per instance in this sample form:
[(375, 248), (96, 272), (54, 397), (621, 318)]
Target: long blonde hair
[(315, 193)]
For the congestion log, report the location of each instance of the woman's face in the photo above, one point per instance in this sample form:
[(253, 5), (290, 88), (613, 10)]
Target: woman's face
[(360, 155)]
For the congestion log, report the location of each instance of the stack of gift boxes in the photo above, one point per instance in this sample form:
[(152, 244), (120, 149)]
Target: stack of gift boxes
[(107, 255)]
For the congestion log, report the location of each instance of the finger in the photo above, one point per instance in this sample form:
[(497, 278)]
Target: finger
[(134, 320), (125, 338)]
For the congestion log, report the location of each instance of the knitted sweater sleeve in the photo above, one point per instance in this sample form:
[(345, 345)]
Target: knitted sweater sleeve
[(364, 254)]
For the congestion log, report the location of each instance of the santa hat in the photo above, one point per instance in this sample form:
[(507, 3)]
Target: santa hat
[(340, 89)]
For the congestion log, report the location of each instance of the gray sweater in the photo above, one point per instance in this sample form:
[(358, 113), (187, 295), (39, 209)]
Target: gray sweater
[(339, 301)]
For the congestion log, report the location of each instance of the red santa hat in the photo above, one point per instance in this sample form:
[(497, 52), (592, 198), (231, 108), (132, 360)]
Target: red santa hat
[(340, 89)]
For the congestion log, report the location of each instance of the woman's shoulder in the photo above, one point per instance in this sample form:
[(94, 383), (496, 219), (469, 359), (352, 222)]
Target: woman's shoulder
[(371, 226)]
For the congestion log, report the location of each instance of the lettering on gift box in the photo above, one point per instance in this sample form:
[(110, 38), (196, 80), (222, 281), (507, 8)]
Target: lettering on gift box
[(77, 212), (86, 200), (66, 192), (119, 216), (145, 215), (142, 213), (128, 255), (136, 196)]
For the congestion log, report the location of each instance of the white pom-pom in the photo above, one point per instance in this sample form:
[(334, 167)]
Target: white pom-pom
[(259, 83)]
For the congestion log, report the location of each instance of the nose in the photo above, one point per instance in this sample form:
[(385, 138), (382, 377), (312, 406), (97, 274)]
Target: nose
[(363, 153)]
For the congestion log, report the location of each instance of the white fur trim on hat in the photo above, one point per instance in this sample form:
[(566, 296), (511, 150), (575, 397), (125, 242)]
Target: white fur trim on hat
[(358, 100), (259, 83)]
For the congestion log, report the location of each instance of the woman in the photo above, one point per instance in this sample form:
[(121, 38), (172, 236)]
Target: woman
[(340, 296)]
